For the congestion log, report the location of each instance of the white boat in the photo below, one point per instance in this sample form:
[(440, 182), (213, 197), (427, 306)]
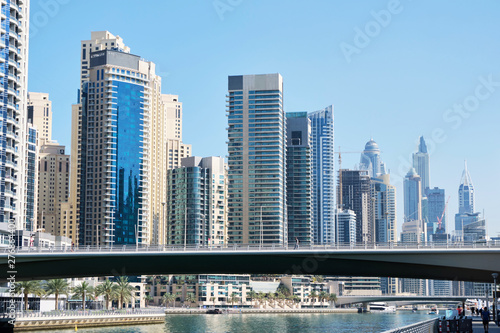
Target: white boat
[(382, 307)]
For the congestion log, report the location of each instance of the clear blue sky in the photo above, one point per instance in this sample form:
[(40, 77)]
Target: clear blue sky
[(402, 80)]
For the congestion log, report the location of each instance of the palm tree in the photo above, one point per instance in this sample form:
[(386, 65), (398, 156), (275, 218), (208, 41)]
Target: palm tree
[(123, 290), (313, 296), (28, 287), (332, 298), (190, 298), (233, 298), (148, 299), (57, 287), (107, 289), (281, 298), (167, 298), (323, 295), (82, 290), (252, 294)]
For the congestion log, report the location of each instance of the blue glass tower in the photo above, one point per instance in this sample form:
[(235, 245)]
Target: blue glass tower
[(435, 209), (116, 100), (323, 176), (31, 174)]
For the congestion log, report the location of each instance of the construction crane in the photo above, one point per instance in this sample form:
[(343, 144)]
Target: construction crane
[(340, 172), (442, 215)]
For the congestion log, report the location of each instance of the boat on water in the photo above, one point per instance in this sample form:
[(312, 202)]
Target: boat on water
[(433, 311), (382, 307), (214, 311)]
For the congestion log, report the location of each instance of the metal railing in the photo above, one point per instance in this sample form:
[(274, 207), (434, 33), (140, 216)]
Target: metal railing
[(427, 326), (253, 247), (89, 313)]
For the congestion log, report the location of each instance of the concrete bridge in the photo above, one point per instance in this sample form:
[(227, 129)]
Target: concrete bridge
[(344, 300), (462, 262)]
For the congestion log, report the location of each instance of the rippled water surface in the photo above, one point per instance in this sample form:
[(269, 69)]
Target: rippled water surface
[(263, 323)]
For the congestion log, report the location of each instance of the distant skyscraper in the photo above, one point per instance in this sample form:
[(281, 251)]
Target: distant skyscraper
[(346, 226), (384, 212), (298, 177), (257, 159), (323, 175), (466, 193), (370, 160), (421, 165), (14, 133), (197, 202), (412, 197), (356, 196), (435, 209)]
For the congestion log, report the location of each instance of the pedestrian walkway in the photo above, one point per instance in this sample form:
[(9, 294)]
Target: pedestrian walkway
[(477, 327)]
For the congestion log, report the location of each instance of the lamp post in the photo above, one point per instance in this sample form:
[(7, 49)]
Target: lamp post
[(494, 275)]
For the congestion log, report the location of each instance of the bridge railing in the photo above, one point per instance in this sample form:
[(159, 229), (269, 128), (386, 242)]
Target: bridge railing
[(427, 326), (254, 247)]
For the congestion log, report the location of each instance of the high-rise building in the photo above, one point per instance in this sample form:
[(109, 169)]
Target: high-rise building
[(40, 115), (466, 193), (384, 213), (257, 159), (421, 165), (346, 226), (370, 160), (298, 177), (53, 188), (116, 153), (323, 175), (126, 136), (436, 216), (468, 224), (14, 133), (100, 40), (31, 183), (167, 151), (197, 202), (355, 194), (412, 197)]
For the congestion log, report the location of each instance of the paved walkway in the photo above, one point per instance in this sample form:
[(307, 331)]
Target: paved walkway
[(477, 327)]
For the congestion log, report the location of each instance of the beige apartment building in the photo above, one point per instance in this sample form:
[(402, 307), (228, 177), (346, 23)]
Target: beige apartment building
[(40, 112), (53, 187)]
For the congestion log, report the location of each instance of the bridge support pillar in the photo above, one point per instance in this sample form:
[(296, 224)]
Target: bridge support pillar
[(366, 307)]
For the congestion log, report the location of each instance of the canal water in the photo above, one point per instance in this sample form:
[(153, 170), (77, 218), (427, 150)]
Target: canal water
[(279, 323)]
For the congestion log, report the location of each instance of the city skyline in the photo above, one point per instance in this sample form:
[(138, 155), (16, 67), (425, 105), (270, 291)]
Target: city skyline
[(390, 102)]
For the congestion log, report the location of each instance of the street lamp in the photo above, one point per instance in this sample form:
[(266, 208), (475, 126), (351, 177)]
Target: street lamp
[(495, 275)]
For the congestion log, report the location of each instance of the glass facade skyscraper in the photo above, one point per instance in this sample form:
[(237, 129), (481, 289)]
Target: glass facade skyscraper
[(384, 210), (435, 208), (13, 112), (114, 161), (370, 160), (323, 176), (422, 165), (298, 177), (356, 196), (256, 160), (412, 197)]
